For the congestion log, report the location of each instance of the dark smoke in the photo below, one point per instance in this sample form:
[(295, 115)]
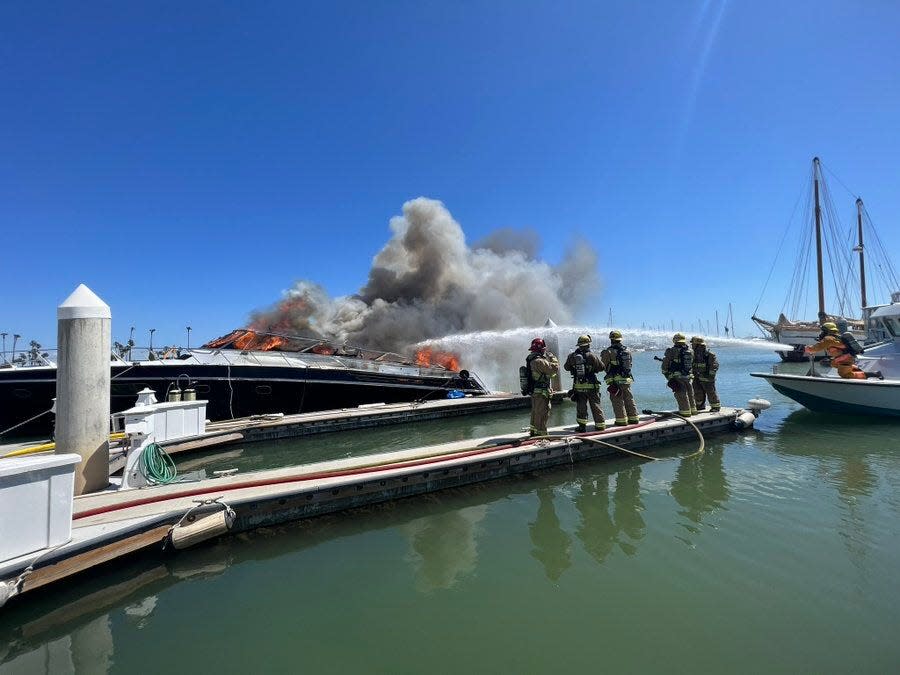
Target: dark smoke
[(427, 283)]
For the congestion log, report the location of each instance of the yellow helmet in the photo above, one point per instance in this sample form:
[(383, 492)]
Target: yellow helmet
[(697, 340), (584, 340), (830, 327), (678, 337), (615, 335)]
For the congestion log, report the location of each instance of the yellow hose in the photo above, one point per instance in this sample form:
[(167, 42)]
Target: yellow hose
[(48, 447)]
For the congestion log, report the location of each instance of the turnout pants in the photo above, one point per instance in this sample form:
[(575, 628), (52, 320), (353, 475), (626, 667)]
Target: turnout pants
[(540, 413), (623, 405), (585, 398), (684, 395), (847, 368), (704, 389)]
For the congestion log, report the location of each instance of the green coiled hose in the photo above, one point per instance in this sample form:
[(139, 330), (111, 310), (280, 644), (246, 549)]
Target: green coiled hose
[(157, 466)]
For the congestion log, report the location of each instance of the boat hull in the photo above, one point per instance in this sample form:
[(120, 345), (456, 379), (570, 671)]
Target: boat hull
[(835, 395), (236, 392)]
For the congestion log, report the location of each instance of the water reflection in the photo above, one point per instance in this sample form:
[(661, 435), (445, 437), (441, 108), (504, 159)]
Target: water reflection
[(552, 544), (443, 547), (843, 455), (628, 508), (87, 649), (700, 486), (596, 530)]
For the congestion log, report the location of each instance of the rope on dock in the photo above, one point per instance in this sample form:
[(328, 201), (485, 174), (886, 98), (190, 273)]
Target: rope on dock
[(30, 419)]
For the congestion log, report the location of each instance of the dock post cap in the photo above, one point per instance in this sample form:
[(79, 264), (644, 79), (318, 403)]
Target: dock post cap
[(83, 303)]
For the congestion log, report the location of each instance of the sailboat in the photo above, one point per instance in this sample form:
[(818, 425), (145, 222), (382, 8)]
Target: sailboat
[(800, 333)]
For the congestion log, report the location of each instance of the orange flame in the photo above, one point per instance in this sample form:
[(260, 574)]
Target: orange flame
[(430, 357), (247, 340)]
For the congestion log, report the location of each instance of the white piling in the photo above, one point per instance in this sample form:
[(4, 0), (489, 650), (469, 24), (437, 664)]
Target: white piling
[(82, 386), (551, 339)]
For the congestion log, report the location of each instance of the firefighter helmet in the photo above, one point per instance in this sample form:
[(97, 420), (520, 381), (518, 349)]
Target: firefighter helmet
[(830, 327), (537, 345), (697, 340), (678, 338), (584, 340), (615, 335)]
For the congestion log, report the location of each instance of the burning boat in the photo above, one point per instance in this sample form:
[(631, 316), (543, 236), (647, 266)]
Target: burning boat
[(245, 372)]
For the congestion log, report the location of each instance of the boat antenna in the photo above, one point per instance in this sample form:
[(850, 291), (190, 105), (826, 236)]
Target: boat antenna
[(4, 345), (152, 331), (859, 249), (820, 276), (189, 337), (130, 342)]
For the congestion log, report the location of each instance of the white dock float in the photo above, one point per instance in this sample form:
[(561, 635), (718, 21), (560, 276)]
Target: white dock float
[(108, 525)]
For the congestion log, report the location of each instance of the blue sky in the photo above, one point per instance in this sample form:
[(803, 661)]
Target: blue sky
[(189, 160)]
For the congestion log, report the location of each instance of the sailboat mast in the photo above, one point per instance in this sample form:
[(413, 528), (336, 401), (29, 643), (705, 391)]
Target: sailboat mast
[(819, 241), (862, 257)]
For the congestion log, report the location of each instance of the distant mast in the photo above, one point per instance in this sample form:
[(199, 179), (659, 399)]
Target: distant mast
[(816, 171), (859, 247)]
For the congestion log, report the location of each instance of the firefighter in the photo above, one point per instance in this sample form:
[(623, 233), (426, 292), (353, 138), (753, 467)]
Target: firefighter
[(584, 366), (541, 365), (842, 358), (616, 361), (704, 370), (676, 367)]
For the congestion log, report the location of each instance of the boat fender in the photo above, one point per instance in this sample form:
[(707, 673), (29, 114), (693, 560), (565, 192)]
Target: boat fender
[(744, 421), (757, 405), (190, 531)]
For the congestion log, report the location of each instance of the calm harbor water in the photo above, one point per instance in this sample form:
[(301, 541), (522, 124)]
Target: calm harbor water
[(776, 549)]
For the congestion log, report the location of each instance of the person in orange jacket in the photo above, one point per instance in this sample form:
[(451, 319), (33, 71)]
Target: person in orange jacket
[(841, 357)]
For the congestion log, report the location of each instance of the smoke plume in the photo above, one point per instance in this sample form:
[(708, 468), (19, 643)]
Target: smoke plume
[(427, 283)]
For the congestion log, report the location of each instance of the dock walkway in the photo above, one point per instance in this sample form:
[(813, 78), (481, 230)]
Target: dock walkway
[(108, 525)]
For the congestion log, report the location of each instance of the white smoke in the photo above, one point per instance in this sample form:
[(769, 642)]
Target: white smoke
[(427, 282)]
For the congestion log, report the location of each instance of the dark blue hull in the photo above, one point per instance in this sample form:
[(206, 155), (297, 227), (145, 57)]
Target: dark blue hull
[(238, 392)]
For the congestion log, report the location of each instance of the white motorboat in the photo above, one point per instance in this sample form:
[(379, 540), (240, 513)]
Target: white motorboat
[(826, 392)]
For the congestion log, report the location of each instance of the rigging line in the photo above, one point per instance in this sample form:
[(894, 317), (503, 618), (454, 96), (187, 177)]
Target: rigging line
[(880, 248), (838, 179), (832, 256), (838, 257), (801, 271), (794, 288), (778, 252)]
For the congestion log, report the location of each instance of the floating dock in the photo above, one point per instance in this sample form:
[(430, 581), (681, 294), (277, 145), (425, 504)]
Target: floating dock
[(108, 525), (280, 427)]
